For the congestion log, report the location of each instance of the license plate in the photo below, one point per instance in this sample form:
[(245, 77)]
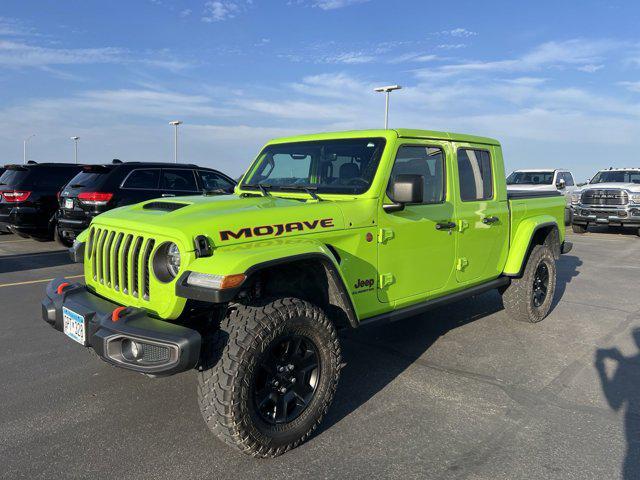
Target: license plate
[(74, 326), (68, 203)]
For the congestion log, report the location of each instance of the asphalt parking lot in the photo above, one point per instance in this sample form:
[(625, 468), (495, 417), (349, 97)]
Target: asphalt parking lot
[(461, 393)]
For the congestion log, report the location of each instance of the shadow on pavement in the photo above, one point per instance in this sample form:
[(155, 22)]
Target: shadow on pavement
[(390, 348), (32, 261), (567, 270), (620, 389)]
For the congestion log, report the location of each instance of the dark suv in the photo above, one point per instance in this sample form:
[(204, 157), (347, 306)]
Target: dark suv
[(29, 204), (98, 188)]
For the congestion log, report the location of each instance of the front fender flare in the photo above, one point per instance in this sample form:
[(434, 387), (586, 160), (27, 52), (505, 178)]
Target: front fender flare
[(254, 257)]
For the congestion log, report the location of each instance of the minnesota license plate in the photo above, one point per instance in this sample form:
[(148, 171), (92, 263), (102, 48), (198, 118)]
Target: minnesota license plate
[(73, 325), (68, 203)]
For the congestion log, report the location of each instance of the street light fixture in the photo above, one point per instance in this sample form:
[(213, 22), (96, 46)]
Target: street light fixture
[(75, 139), (175, 123), (24, 147), (387, 90)]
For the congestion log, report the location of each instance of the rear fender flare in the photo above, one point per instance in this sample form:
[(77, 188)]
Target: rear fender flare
[(522, 242)]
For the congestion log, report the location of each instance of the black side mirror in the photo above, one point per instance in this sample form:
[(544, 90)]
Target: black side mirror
[(405, 188)]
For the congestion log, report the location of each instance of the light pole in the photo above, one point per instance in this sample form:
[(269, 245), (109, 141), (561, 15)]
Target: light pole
[(386, 90), (24, 147), (75, 140), (175, 123)]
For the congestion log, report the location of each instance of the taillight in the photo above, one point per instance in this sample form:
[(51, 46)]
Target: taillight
[(95, 198), (15, 196)]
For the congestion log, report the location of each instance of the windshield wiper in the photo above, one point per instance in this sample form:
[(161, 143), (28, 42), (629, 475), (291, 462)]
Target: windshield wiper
[(263, 188), (311, 191)]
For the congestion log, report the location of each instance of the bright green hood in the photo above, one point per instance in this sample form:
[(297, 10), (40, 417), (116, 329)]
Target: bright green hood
[(227, 219)]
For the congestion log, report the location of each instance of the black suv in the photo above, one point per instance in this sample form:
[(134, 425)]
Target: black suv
[(98, 188), (29, 197)]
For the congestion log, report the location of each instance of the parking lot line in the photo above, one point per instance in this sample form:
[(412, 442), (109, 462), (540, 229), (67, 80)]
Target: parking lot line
[(29, 282)]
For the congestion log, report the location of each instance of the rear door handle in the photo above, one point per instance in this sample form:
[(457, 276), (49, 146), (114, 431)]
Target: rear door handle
[(490, 220), (445, 225), (168, 195)]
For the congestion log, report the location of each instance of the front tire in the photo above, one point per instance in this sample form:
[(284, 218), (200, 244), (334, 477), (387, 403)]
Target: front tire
[(275, 378), (528, 298), (578, 228)]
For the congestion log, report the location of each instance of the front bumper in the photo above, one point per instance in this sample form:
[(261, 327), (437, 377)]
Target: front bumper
[(165, 348), (622, 215)]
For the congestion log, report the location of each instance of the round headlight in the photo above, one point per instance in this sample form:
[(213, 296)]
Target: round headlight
[(166, 262)]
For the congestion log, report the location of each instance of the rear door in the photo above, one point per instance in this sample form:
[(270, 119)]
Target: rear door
[(482, 213), (177, 182), (139, 185)]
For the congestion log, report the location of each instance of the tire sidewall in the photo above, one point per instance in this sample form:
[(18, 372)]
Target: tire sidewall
[(541, 254), (275, 436)]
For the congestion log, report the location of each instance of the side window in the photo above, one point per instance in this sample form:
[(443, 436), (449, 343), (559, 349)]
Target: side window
[(213, 181), (174, 179), (427, 162), (568, 179), (142, 179), (474, 170)]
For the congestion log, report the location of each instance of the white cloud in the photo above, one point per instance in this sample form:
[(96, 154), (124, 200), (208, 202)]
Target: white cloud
[(413, 57), (326, 4), (349, 58), (577, 52), (186, 12), (219, 10), (461, 32), (22, 55), (335, 4), (11, 27), (451, 46), (590, 68), (631, 86)]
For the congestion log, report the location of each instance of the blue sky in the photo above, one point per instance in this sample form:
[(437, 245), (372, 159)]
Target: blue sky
[(557, 82)]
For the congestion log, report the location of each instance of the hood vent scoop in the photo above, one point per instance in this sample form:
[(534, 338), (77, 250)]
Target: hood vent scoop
[(164, 206)]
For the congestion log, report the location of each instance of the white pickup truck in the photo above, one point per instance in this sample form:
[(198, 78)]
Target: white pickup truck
[(611, 198), (544, 180)]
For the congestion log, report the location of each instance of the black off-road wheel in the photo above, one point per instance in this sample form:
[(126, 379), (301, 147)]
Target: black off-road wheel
[(578, 228), (529, 298), (274, 374)]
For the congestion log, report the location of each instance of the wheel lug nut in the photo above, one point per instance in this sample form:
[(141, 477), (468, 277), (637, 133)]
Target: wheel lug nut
[(281, 369), (283, 390), (276, 383)]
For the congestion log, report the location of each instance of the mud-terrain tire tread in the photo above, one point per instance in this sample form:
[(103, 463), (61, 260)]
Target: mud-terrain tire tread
[(517, 297), (244, 333)]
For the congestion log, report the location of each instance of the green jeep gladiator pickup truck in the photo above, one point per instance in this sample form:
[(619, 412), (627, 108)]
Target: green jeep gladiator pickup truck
[(323, 232)]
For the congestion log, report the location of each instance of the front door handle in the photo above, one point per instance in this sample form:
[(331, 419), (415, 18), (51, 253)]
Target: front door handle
[(490, 220), (168, 195), (445, 225)]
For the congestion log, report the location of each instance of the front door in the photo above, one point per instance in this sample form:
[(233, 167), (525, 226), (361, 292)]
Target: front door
[(482, 213), (416, 251)]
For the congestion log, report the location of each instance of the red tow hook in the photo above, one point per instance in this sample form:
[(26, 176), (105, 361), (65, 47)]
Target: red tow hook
[(115, 315), (61, 287)]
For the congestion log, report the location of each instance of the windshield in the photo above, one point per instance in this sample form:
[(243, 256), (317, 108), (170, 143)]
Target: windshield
[(530, 178), (326, 166), (617, 176)]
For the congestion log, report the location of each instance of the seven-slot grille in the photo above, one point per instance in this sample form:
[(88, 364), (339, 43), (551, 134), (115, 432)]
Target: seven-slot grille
[(121, 261), (605, 197)]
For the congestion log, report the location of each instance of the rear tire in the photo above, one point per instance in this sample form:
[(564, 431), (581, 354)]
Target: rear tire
[(578, 228), (276, 372), (528, 298)]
